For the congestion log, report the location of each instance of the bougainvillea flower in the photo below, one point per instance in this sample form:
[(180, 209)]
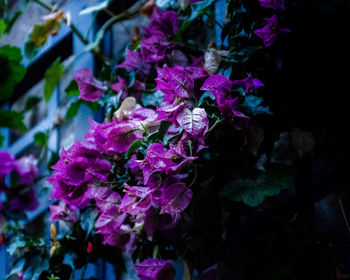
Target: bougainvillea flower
[(24, 200), (155, 269), (218, 85), (27, 168), (158, 159), (194, 122), (174, 82), (134, 61), (169, 112), (175, 198), (120, 138), (7, 163), (273, 4), (248, 84), (270, 31), (137, 200), (97, 134), (90, 89), (155, 48), (122, 85), (61, 212), (77, 169), (162, 21)]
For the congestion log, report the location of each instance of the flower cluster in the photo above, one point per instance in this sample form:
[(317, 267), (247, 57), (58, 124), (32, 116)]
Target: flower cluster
[(135, 168), (16, 183)]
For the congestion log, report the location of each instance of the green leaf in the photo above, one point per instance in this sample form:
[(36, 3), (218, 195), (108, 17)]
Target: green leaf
[(2, 26), (40, 139), (134, 146), (11, 72), (31, 102), (2, 138), (72, 89), (73, 109), (30, 49), (12, 119), (252, 105), (93, 105), (252, 193), (54, 158), (159, 134), (52, 78), (96, 8)]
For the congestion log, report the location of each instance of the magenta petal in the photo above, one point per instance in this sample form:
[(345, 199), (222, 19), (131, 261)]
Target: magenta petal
[(155, 269), (175, 198), (90, 89)]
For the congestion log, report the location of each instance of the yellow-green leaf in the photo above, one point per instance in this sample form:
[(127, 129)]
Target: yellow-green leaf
[(52, 78)]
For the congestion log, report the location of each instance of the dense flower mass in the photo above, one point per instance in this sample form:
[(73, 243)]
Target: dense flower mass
[(137, 169)]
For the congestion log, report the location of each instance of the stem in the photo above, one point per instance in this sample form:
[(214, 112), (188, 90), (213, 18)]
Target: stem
[(218, 120), (194, 178), (213, 20), (344, 214), (132, 11)]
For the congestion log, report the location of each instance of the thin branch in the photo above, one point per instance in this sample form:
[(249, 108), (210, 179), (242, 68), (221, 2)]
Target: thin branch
[(344, 214)]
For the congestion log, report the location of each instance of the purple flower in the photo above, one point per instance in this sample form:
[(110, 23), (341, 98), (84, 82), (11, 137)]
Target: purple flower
[(158, 159), (61, 212), (122, 85), (90, 89), (162, 21), (273, 4), (155, 269), (120, 138), (137, 200), (23, 200), (169, 112), (155, 48), (27, 168), (248, 84), (175, 198), (77, 169), (220, 86), (174, 82), (270, 31), (135, 61), (7, 163)]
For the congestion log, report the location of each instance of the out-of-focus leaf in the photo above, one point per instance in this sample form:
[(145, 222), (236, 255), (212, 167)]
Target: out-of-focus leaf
[(154, 99), (252, 192), (69, 259), (30, 50), (72, 89), (52, 78), (54, 158), (2, 138), (2, 26), (252, 105), (31, 102), (88, 219), (41, 138), (73, 109), (197, 8), (93, 105), (11, 71), (41, 32), (12, 119)]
